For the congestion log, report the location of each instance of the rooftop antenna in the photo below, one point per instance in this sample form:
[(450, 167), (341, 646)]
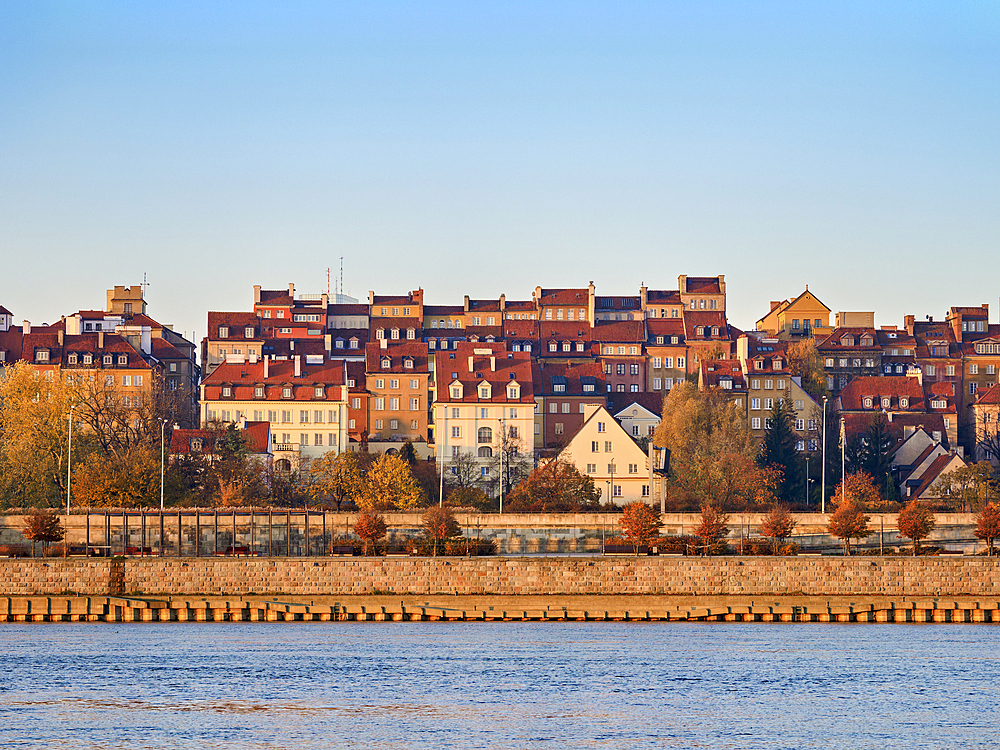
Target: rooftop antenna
[(145, 285), (328, 281), (341, 274)]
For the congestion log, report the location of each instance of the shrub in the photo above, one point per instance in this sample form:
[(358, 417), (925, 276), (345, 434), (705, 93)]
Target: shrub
[(14, 550)]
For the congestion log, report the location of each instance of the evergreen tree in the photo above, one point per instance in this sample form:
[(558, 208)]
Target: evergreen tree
[(778, 450), (878, 441)]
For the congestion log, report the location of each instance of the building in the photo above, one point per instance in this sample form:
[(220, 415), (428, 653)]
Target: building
[(484, 391), (850, 353), (620, 348), (666, 354), (398, 381), (638, 420), (797, 318), (602, 450), (562, 393), (306, 404)]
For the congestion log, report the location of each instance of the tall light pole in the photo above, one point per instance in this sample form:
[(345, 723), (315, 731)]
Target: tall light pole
[(503, 437), (823, 483), (442, 442), (69, 458), (163, 426), (611, 484), (808, 480), (843, 460)]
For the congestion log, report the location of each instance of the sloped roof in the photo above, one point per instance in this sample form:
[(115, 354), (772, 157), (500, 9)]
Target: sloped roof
[(397, 352), (893, 387)]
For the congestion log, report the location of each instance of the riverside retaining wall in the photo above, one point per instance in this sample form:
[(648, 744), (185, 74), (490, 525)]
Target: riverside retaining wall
[(692, 576)]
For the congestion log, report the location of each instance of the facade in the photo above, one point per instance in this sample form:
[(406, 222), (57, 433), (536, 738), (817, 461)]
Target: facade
[(802, 316), (604, 451), (306, 405), (638, 421), (398, 379), (666, 354), (620, 349), (850, 353), (484, 392), (562, 394)]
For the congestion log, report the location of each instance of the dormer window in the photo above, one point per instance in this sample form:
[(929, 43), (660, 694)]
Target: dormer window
[(868, 402), (579, 346), (847, 341), (88, 359), (42, 355), (715, 330), (776, 363), (553, 347), (71, 359), (338, 344), (122, 359), (318, 391), (513, 392), (456, 391), (484, 391), (940, 405), (411, 333), (196, 445), (258, 391), (867, 341), (885, 402), (699, 331), (248, 332), (227, 391), (386, 363), (566, 346), (223, 332), (286, 392), (758, 364), (408, 363), (904, 402)]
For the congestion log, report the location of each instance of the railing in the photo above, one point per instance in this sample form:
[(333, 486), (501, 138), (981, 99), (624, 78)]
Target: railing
[(284, 447)]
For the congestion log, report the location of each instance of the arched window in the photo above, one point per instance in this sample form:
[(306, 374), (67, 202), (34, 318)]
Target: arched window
[(486, 452), (283, 464), (485, 435)]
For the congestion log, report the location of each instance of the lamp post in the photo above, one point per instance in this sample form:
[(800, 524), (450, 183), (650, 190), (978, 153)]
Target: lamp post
[(503, 437), (69, 458), (163, 426), (823, 475), (611, 483), (843, 460), (444, 438), (808, 480)]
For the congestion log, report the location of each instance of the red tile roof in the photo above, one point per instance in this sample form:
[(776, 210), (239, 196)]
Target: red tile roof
[(702, 285), (236, 322), (275, 297), (572, 376), (619, 401), (521, 330), (894, 388), (990, 396), (712, 371), (565, 297), (708, 319), (444, 310), (663, 297), (505, 367), (619, 331), (397, 352), (256, 434), (242, 379), (346, 309)]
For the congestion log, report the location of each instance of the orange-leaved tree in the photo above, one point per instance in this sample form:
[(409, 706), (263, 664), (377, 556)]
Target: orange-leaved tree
[(915, 522), (859, 488), (42, 526), (440, 524), (778, 524), (640, 524), (370, 527), (988, 525), (849, 522), (712, 528)]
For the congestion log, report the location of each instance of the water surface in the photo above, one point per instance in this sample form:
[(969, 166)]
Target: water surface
[(499, 685)]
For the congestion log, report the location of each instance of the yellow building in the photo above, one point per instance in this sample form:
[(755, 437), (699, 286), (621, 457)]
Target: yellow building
[(803, 316)]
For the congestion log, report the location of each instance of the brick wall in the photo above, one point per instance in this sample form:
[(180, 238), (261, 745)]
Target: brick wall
[(891, 577)]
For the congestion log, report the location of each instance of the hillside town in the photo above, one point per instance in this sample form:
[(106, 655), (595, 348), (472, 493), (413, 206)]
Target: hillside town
[(476, 387)]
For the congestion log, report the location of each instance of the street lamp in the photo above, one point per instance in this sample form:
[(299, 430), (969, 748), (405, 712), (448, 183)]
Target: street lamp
[(163, 425), (69, 457), (611, 483), (823, 490)]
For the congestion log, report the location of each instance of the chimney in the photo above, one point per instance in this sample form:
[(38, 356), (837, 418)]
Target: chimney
[(100, 339), (298, 365), (775, 304), (291, 345), (503, 304), (472, 367), (59, 337), (467, 303), (590, 302), (325, 302), (291, 291), (26, 327), (328, 342), (384, 343), (493, 364), (908, 321), (371, 297), (256, 294), (267, 360), (642, 296)]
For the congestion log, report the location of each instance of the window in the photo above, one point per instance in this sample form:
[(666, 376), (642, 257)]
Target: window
[(394, 383), (127, 381), (484, 435), (227, 391), (565, 408), (394, 403), (973, 369), (286, 392), (393, 424), (618, 490), (949, 370), (607, 446), (591, 468), (657, 384), (456, 432), (304, 416), (781, 385), (904, 402), (768, 404), (594, 446), (768, 385), (223, 332), (800, 424), (414, 404), (633, 468), (755, 404), (303, 439), (484, 413)]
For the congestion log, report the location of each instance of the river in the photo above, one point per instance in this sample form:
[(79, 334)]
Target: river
[(499, 685)]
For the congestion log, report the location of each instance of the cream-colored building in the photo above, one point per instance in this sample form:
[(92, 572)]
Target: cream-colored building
[(483, 392), (602, 450)]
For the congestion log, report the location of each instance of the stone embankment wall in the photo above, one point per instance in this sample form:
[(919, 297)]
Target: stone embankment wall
[(692, 576)]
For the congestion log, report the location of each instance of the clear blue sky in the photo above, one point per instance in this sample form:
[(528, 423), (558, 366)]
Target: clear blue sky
[(479, 148)]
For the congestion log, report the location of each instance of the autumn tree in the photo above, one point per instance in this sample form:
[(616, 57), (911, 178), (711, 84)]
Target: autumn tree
[(370, 527), (713, 527), (34, 435), (877, 445), (336, 477), (988, 525), (806, 361), (849, 522), (42, 526), (463, 470), (510, 464), (858, 488), (555, 486), (967, 486), (711, 449), (119, 481), (389, 484), (440, 525), (469, 497), (778, 525), (640, 524), (915, 522)]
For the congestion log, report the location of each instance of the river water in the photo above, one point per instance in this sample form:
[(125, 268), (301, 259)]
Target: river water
[(499, 685)]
